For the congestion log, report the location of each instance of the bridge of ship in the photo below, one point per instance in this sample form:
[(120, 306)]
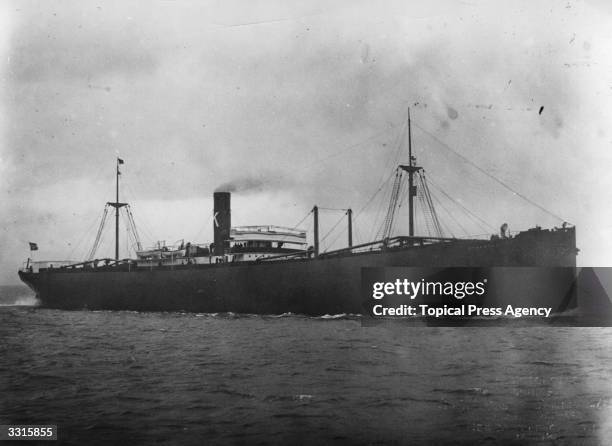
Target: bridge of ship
[(249, 243)]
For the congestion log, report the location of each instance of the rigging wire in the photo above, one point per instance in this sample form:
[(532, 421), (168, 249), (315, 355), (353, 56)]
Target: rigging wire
[(429, 215), (301, 221), (358, 239), (342, 232), (129, 236), (372, 197), (388, 165), (147, 231), (427, 218), (432, 209), (388, 222), (398, 142), (132, 243), (402, 199), (331, 209), (345, 212), (450, 214), (422, 214), (497, 180), (96, 244), (331, 230), (376, 229), (134, 229), (400, 207), (85, 235), (335, 239), (426, 221), (296, 227), (475, 217), (448, 228), (102, 244), (352, 146), (356, 234)]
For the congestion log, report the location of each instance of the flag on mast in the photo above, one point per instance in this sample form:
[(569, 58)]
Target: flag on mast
[(119, 160), (33, 246)]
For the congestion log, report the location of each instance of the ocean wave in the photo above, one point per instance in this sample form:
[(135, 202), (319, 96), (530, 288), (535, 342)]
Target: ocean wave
[(333, 316), (21, 301)]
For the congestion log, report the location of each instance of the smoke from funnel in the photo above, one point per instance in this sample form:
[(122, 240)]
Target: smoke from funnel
[(254, 184)]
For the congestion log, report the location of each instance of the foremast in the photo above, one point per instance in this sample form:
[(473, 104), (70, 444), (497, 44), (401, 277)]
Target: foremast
[(117, 205)]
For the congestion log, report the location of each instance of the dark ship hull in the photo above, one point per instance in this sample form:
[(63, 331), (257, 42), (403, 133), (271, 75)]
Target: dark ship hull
[(327, 284)]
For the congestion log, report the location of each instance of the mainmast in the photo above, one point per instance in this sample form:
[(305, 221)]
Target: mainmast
[(410, 182), (117, 205), (411, 168)]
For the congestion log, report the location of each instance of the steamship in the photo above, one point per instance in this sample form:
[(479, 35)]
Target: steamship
[(273, 270)]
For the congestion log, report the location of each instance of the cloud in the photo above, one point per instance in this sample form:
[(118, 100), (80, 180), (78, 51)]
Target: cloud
[(72, 47)]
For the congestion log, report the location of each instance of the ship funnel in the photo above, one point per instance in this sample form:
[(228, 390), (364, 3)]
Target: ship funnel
[(222, 221)]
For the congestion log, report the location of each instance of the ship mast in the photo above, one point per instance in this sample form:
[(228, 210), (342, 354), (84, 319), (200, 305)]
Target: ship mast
[(411, 168), (117, 206), (410, 182)]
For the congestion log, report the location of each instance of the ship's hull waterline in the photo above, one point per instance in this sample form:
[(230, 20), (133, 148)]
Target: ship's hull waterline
[(325, 285)]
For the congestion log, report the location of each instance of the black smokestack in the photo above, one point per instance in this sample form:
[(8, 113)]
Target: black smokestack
[(222, 221)]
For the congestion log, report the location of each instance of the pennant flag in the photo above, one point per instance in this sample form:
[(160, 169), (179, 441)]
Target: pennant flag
[(119, 160), (33, 246)]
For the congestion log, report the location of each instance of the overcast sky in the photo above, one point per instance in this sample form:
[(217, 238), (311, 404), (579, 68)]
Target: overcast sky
[(296, 104)]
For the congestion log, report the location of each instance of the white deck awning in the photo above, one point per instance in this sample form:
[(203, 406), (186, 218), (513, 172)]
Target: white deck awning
[(268, 234)]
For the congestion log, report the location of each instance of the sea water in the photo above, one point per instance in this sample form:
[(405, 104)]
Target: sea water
[(178, 378)]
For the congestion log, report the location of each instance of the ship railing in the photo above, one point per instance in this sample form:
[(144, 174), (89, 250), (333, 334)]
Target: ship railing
[(96, 264), (388, 244), (35, 266), (378, 245)]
